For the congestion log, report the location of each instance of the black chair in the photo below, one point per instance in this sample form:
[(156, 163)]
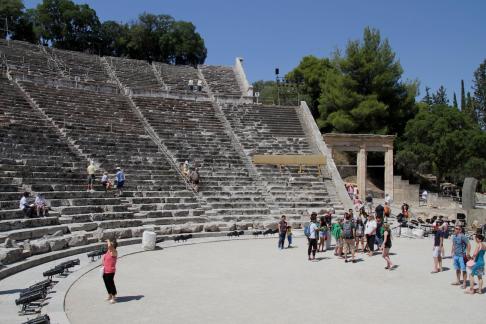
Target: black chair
[(44, 319)]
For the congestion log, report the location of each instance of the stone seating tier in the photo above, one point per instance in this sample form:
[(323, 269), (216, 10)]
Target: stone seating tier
[(191, 131), (177, 77), (134, 74), (77, 65), (221, 80), (27, 59)]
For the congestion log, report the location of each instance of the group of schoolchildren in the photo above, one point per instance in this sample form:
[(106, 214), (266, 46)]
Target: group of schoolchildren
[(350, 233), (105, 180)]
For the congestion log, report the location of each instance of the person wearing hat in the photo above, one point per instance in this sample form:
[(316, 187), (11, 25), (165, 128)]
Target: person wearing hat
[(120, 180)]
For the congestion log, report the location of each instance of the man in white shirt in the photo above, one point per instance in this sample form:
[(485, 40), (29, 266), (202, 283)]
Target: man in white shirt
[(313, 230), (25, 206), (370, 233), (388, 199), (425, 194)]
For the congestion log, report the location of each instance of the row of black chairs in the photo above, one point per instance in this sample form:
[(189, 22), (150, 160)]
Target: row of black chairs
[(32, 297), (44, 319), (235, 233), (97, 253), (182, 238), (61, 268)]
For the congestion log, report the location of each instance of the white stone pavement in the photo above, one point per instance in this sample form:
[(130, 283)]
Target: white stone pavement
[(250, 281)]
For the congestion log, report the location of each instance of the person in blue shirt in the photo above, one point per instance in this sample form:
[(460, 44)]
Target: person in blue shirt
[(120, 180), (460, 251)]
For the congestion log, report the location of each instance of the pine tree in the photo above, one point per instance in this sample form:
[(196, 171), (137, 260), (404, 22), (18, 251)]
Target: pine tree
[(440, 97), (454, 101), (427, 98), (469, 110), (463, 96), (479, 86)]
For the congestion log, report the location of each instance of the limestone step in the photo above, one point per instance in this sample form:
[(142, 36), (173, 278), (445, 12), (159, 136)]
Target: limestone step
[(16, 224), (32, 233)]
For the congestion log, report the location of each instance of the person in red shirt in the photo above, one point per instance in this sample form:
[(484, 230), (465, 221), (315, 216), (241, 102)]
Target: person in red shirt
[(109, 269)]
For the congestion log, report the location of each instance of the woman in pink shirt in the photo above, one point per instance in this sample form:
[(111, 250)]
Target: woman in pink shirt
[(109, 268)]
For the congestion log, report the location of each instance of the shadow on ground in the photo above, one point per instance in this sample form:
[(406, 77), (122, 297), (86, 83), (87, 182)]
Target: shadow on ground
[(125, 299)]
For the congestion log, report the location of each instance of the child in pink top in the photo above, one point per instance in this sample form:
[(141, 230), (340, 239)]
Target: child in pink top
[(109, 269)]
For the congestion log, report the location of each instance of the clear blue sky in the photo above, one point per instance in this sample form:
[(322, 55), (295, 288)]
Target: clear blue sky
[(437, 42)]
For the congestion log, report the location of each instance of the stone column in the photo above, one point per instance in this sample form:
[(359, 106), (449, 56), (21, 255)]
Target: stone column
[(389, 172), (361, 172)]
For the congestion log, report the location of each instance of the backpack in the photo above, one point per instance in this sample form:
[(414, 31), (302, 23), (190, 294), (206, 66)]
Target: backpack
[(387, 210), (348, 230), (307, 230)]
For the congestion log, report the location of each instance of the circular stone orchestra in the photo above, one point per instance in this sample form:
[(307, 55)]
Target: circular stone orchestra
[(251, 281)]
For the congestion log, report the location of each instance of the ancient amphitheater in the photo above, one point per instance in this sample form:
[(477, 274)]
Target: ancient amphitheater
[(61, 109)]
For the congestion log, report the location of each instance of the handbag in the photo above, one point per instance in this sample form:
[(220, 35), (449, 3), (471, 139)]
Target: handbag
[(102, 271), (470, 263)]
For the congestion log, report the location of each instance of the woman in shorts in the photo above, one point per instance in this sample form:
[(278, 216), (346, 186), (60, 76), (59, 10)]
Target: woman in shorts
[(322, 234), (387, 244), (477, 270)]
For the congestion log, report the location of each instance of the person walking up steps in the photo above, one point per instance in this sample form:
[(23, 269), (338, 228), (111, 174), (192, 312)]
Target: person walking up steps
[(91, 170), (311, 233), (109, 269), (477, 262), (120, 180)]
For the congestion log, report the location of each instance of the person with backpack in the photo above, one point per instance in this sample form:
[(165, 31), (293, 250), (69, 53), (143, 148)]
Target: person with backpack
[(360, 233), (460, 251), (337, 233), (386, 211), (349, 233), (311, 231)]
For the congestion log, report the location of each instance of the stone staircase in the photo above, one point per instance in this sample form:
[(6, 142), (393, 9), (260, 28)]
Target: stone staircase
[(277, 130)]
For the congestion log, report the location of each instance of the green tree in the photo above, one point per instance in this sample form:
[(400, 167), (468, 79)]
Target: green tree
[(363, 92), (440, 97), (448, 140), (479, 86), (183, 45), (454, 101), (113, 39), (427, 99), (66, 25), (463, 97), (309, 75), (11, 12)]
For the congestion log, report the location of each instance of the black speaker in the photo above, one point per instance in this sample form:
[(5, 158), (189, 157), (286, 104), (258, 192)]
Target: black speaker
[(277, 71)]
